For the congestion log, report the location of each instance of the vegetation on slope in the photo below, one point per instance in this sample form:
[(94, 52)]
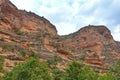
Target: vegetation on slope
[(33, 69)]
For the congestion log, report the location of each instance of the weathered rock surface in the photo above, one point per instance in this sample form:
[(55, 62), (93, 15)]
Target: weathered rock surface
[(24, 32), (92, 44)]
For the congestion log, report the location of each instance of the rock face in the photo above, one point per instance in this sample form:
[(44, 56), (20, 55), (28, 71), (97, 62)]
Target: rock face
[(93, 44), (24, 33), (96, 38), (12, 18)]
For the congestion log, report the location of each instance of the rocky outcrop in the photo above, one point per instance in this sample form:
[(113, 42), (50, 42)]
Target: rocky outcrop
[(24, 31), (24, 34), (19, 26), (12, 18), (93, 44)]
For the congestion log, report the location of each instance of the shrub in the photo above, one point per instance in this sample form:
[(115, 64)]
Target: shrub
[(73, 70), (23, 53), (1, 63), (31, 69), (33, 54), (18, 32), (87, 74), (77, 71), (107, 76), (115, 70), (58, 74), (54, 61)]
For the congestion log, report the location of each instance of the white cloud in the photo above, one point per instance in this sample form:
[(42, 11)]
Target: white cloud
[(70, 15), (28, 5), (65, 28), (43, 10), (116, 33)]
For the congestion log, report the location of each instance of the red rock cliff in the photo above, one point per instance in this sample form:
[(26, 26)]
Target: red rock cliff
[(26, 31)]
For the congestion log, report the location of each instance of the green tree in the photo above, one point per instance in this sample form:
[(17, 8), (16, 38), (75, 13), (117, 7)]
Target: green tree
[(58, 74), (77, 71), (115, 70), (107, 76), (73, 70), (31, 69), (87, 74)]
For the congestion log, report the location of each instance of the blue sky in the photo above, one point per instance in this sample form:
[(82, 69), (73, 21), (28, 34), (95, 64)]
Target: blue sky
[(70, 15)]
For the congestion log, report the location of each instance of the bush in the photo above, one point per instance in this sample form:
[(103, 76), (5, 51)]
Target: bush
[(58, 74), (53, 61), (77, 71), (33, 54), (107, 76), (31, 69), (1, 63), (18, 32), (115, 70), (73, 70), (23, 53), (87, 74)]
